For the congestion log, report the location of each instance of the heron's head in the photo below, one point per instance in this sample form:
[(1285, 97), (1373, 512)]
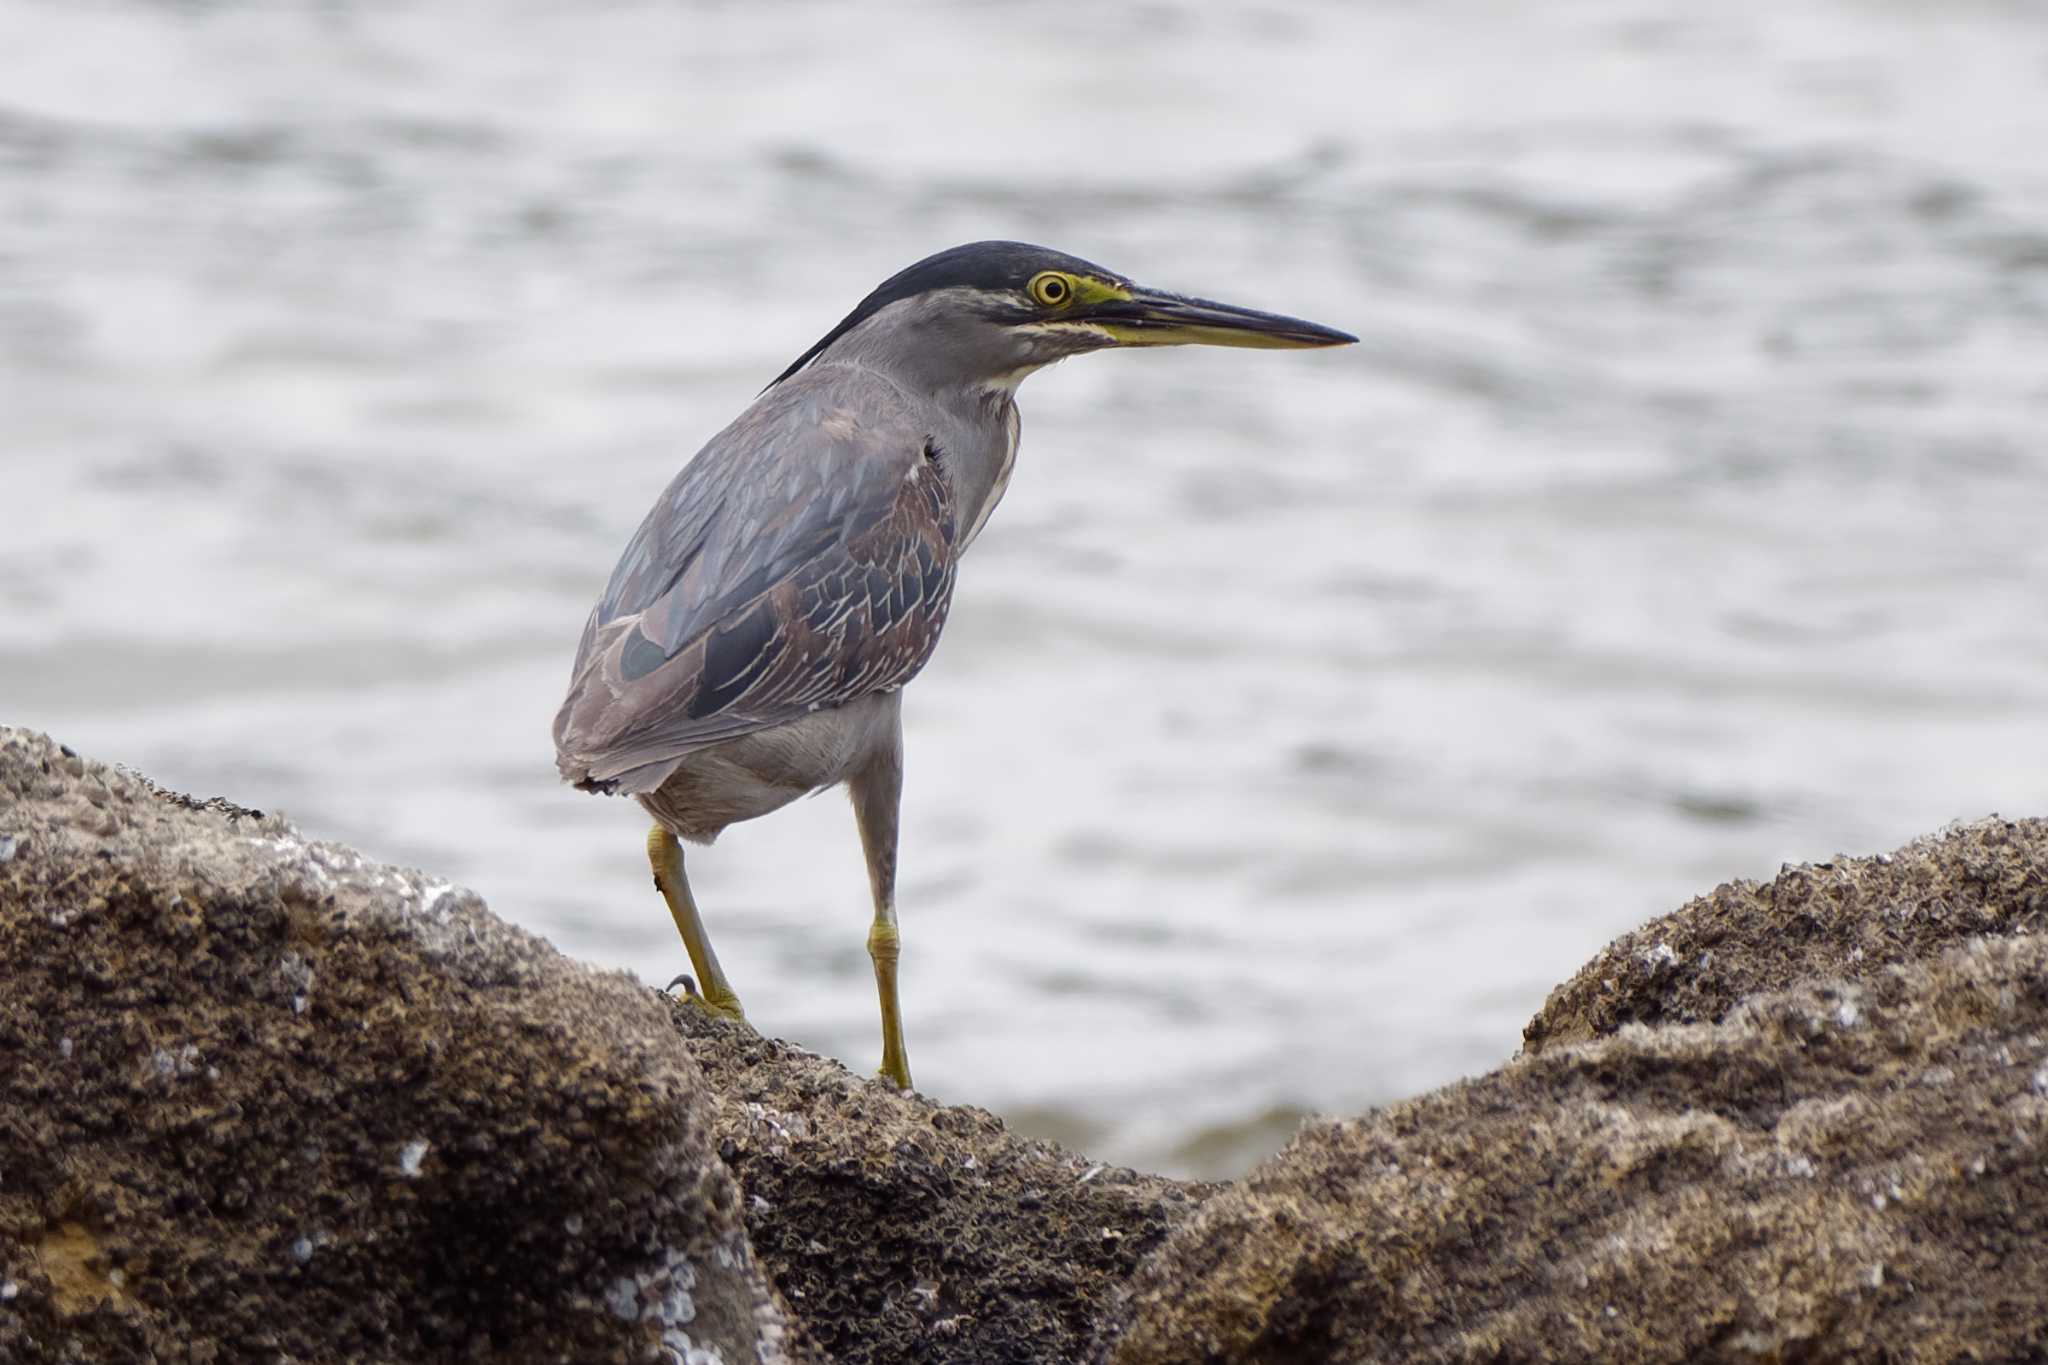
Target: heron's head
[(988, 313)]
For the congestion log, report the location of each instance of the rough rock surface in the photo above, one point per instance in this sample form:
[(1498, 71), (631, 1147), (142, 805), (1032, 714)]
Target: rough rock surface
[(1847, 921), (1851, 1163), (261, 1099), (902, 1231)]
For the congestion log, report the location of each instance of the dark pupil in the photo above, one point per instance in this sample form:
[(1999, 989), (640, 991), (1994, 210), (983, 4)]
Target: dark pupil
[(1053, 289)]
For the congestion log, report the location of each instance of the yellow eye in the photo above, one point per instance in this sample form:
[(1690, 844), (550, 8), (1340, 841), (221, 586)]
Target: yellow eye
[(1051, 289)]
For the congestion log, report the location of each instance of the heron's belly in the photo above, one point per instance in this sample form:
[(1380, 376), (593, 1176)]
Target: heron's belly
[(750, 776)]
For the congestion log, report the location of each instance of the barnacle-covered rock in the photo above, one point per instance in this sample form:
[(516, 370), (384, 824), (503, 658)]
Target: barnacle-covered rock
[(904, 1231), (1845, 921), (1831, 1144), (263, 1099)]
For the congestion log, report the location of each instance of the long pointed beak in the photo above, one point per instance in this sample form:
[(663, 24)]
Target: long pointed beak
[(1155, 318)]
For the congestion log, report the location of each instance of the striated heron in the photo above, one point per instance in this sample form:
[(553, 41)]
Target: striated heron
[(754, 638)]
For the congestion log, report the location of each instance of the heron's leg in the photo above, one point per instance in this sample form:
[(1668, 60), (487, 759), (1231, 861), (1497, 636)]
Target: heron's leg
[(667, 857), (877, 792)]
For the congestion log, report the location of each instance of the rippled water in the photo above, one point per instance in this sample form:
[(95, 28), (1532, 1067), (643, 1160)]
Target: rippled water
[(1303, 718)]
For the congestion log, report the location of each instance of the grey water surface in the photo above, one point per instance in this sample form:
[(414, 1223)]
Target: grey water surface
[(1303, 718)]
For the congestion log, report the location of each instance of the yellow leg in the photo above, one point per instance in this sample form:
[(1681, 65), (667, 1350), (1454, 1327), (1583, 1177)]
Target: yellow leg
[(876, 794), (885, 945), (666, 856)]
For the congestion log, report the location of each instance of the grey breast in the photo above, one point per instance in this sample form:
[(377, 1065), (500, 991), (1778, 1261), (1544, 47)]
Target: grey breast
[(803, 559)]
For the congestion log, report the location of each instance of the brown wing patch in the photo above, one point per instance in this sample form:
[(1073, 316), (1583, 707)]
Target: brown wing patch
[(868, 619), (861, 617)]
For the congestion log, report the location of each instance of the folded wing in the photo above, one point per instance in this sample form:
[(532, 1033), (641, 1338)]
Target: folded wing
[(803, 560)]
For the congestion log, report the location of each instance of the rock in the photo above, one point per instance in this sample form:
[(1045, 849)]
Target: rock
[(903, 1231), (1847, 920), (263, 1099), (1846, 1158)]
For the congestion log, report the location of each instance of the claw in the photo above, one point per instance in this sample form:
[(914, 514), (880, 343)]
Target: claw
[(723, 1006)]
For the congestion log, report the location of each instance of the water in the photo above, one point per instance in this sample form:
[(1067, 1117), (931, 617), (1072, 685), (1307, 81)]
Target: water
[(1303, 718)]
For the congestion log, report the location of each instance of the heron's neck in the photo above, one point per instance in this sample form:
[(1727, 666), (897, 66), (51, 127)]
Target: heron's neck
[(970, 415), (977, 431)]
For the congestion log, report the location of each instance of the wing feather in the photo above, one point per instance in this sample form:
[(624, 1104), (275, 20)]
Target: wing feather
[(804, 559)]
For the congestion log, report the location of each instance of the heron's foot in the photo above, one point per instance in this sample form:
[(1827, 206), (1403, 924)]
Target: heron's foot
[(722, 1004), (896, 1072)]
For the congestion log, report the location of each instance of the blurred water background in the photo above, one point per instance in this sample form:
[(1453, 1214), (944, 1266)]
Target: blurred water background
[(1302, 718)]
